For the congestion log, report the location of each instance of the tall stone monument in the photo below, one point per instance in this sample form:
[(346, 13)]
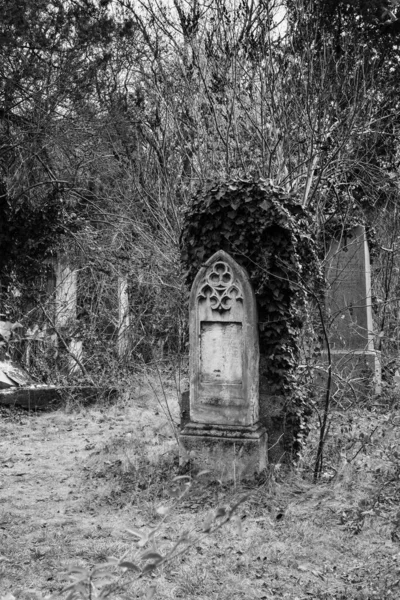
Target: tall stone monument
[(66, 293), (349, 312), (221, 431), (66, 309)]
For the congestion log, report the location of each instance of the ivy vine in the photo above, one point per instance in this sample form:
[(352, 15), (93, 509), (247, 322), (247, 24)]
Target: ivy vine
[(267, 231)]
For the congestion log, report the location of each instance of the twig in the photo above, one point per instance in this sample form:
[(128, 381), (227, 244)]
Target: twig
[(363, 444), (323, 429), (167, 412)]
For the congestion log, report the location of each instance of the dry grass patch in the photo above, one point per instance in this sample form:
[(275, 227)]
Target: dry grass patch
[(74, 482)]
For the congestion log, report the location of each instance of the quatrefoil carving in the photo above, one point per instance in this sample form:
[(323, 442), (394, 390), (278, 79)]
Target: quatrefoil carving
[(220, 287)]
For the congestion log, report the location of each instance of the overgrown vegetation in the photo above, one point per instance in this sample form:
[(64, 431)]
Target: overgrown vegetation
[(267, 232), (108, 131), (112, 115), (94, 473)]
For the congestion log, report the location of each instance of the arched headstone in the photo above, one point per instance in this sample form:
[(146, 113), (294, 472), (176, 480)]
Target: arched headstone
[(222, 428)]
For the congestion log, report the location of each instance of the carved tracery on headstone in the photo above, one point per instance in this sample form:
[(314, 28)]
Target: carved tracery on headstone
[(220, 287)]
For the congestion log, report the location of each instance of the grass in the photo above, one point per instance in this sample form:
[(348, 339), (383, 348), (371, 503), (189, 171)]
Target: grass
[(73, 481)]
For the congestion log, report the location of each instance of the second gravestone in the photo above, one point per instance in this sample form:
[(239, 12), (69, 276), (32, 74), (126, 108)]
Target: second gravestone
[(349, 308), (222, 432)]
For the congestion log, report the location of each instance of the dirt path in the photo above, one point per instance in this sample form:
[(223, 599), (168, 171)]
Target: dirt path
[(71, 483)]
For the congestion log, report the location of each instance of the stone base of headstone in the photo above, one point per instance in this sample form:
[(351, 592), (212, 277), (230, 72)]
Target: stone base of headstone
[(356, 372), (272, 418), (228, 453)]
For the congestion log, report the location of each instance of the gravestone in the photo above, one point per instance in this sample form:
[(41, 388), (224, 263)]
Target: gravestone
[(66, 293), (349, 312), (221, 431), (75, 347), (66, 310)]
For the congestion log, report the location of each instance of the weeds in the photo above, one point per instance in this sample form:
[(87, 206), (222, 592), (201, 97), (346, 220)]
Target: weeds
[(149, 555), (74, 483)]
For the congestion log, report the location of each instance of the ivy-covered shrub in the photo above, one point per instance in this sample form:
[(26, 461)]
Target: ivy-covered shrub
[(30, 232), (267, 231)]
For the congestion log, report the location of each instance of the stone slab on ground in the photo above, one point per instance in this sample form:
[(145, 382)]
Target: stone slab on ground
[(12, 375), (49, 397)]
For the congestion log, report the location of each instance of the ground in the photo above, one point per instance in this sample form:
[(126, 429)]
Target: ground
[(73, 481)]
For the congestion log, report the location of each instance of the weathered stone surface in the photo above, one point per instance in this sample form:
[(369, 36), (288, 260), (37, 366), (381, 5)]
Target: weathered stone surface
[(229, 453), (349, 292), (123, 316), (49, 397), (349, 312), (221, 348), (224, 352), (40, 397), (66, 293), (11, 375), (220, 415), (76, 351)]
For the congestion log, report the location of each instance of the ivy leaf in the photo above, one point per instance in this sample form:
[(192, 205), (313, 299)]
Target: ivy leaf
[(152, 556), (265, 205), (149, 568), (126, 564), (208, 523), (163, 510), (5, 329)]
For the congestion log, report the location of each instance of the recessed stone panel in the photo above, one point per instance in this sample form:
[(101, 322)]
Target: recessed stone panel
[(221, 350)]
